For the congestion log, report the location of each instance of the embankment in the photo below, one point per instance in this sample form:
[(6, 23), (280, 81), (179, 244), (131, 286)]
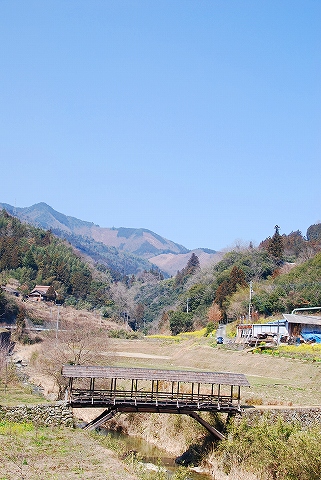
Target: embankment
[(306, 417), (176, 433), (54, 415)]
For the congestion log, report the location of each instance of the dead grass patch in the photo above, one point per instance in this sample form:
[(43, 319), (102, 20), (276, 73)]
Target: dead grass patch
[(51, 453)]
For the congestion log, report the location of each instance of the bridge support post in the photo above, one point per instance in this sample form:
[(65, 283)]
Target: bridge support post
[(103, 417), (208, 427)]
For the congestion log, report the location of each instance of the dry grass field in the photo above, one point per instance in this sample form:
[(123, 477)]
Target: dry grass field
[(53, 453), (275, 380)]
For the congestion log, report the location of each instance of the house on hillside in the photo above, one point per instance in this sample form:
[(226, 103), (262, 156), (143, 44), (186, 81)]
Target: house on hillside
[(42, 292)]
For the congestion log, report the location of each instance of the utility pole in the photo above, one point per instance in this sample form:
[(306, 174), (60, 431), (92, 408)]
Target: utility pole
[(187, 305), (250, 302), (57, 325)]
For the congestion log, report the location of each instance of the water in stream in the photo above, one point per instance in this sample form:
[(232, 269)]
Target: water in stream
[(151, 455)]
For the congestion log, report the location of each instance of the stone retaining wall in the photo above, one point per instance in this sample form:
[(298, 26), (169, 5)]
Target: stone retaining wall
[(306, 417), (57, 414)]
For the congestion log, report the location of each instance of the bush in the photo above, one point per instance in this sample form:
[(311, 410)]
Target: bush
[(210, 327), (278, 450), (180, 322)]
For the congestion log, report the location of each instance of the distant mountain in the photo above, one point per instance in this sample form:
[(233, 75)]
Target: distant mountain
[(170, 263), (128, 250)]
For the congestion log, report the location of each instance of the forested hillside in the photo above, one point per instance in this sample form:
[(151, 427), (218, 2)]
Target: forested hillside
[(34, 256), (284, 272)]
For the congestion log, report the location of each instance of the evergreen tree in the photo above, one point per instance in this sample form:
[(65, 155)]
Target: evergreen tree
[(180, 322), (275, 246), (314, 232), (193, 264), (29, 261), (20, 324), (139, 315)]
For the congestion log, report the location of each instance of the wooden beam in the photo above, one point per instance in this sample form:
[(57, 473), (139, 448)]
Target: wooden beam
[(208, 427), (102, 418)]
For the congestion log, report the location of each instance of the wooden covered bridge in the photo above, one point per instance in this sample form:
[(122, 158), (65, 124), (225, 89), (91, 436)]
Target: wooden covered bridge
[(118, 389)]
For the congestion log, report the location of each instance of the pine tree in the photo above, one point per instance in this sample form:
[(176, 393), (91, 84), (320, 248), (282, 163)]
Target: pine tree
[(314, 232), (275, 246), (192, 265)]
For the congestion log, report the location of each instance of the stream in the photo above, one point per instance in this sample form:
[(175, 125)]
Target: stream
[(151, 455)]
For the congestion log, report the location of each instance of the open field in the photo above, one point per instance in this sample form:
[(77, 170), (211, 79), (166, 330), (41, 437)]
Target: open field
[(275, 380)]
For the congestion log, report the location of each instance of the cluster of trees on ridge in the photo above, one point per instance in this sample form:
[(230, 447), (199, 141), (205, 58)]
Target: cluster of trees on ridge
[(285, 271)]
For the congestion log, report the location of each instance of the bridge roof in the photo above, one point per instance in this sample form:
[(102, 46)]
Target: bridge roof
[(218, 378)]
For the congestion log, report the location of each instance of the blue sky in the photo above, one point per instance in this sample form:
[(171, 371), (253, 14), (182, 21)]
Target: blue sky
[(197, 119)]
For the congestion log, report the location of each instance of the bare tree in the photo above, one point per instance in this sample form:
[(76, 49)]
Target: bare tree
[(74, 346), (3, 363)]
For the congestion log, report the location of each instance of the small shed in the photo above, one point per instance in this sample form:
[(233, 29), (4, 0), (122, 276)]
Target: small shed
[(261, 330), (306, 326)]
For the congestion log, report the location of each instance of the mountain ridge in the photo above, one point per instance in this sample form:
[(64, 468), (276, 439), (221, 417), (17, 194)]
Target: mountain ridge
[(139, 248)]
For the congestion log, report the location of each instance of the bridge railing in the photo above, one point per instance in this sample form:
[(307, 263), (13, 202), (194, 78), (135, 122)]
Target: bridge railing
[(106, 397)]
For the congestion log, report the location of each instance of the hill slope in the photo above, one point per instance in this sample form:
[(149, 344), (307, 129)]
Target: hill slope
[(171, 263)]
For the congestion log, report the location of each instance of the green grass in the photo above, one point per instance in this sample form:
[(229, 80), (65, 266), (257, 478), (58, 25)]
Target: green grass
[(16, 394), (55, 453)]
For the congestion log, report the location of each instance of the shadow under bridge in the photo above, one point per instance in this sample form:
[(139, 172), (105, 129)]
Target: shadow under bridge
[(126, 390)]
